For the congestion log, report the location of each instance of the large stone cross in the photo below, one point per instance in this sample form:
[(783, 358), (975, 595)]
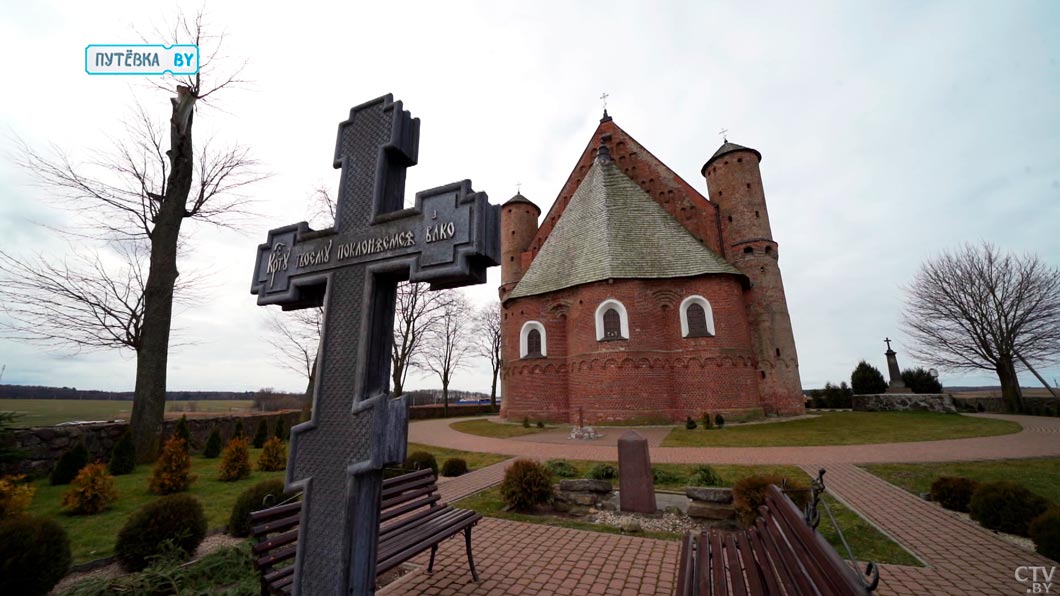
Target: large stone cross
[(448, 239)]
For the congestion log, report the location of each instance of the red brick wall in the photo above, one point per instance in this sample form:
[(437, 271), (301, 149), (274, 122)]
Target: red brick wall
[(518, 226), (655, 374)]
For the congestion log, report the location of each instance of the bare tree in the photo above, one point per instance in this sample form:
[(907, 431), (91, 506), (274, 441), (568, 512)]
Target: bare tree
[(488, 343), (448, 345), (143, 190), (418, 313), (296, 335), (977, 308)]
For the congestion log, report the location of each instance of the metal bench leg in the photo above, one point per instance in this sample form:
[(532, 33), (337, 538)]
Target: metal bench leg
[(470, 559), (430, 566)]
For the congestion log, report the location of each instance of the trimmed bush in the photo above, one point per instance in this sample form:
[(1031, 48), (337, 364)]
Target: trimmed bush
[(251, 500), (664, 476), (707, 421), (261, 434), (177, 519), (919, 380), (213, 444), (1045, 531), (561, 468), (181, 432), (866, 379), (526, 485), (273, 456), (238, 432), (34, 555), (16, 495), (953, 493), (172, 473), (979, 407), (719, 421), (750, 493), (541, 424), (69, 465), (91, 492), (704, 476), (602, 472), (689, 423), (419, 460), (281, 431), (1006, 506), (454, 466), (235, 461), (123, 456), (526, 423)]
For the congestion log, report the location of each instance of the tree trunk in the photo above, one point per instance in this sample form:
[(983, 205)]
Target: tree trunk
[(396, 377), (445, 398), (152, 357), (493, 392), (1011, 395)]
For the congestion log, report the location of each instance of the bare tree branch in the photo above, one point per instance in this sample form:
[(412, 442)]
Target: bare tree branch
[(448, 347), (487, 342)]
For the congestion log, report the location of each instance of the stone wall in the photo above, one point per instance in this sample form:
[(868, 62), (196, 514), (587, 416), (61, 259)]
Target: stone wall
[(43, 446), (905, 402), (996, 404), (437, 411)]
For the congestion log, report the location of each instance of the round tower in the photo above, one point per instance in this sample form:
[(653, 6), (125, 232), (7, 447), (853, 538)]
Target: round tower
[(518, 228), (734, 184)]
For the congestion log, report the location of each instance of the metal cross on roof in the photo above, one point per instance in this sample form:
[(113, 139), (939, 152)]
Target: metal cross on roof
[(724, 132), (604, 98), (887, 340), (518, 188)]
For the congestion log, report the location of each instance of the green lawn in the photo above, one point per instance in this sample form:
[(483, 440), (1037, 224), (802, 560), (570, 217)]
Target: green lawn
[(844, 428), (866, 541), (498, 430), (48, 412), (474, 460), (93, 536), (1039, 475)]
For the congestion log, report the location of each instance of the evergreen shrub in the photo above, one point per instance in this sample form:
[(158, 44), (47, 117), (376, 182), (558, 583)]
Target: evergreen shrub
[(454, 466), (34, 555), (1045, 531), (1006, 506), (749, 494), (123, 456), (238, 432), (708, 421), (176, 519), (602, 472), (281, 431), (235, 461), (953, 493), (719, 421), (419, 460), (526, 485), (251, 500), (919, 380), (16, 495), (69, 465), (273, 456), (261, 434), (561, 468), (689, 423), (704, 475), (91, 492), (172, 472), (213, 444), (867, 379), (181, 432)]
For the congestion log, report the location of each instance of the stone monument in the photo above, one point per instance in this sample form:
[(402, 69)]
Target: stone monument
[(896, 385), (448, 239), (636, 486)]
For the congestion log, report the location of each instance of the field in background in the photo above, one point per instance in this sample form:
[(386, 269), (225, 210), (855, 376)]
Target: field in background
[(48, 412)]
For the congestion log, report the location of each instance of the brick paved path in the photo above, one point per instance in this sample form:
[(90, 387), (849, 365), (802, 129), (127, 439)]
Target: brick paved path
[(1040, 437), (962, 557), (520, 558)]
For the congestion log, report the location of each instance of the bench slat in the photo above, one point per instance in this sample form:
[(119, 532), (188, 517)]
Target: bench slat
[(736, 580), (396, 485), (787, 568), (277, 526), (405, 497), (827, 578), (410, 519), (428, 539), (686, 567), (279, 574), (394, 512), (445, 519), (275, 512), (280, 555), (717, 562), (275, 542), (763, 565)]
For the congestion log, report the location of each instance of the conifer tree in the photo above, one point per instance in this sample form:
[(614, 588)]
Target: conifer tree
[(867, 379), (213, 444), (261, 434), (123, 456), (181, 431)]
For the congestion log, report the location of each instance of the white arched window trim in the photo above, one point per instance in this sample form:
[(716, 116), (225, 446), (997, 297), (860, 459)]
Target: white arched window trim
[(707, 310), (622, 317), (525, 331)]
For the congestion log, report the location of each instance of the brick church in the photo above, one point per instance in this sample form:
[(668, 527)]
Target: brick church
[(636, 298)]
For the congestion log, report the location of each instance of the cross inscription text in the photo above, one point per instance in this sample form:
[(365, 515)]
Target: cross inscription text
[(448, 239)]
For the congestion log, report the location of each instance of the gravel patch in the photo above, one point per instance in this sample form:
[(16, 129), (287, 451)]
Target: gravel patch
[(668, 522)]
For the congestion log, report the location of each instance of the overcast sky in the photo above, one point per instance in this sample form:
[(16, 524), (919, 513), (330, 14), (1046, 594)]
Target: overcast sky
[(889, 131)]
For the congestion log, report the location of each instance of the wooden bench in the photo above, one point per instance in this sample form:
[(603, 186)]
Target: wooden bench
[(782, 554), (412, 519)]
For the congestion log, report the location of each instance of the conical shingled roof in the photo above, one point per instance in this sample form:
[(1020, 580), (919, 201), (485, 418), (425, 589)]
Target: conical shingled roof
[(727, 148), (519, 198), (612, 229)]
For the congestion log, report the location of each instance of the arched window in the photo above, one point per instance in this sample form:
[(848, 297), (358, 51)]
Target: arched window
[(697, 318), (612, 322), (532, 342)]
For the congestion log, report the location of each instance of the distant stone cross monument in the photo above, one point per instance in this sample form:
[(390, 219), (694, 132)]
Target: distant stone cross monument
[(896, 385), (448, 238)]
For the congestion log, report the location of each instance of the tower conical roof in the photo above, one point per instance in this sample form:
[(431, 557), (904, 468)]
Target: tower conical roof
[(519, 198), (727, 148), (612, 229)]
